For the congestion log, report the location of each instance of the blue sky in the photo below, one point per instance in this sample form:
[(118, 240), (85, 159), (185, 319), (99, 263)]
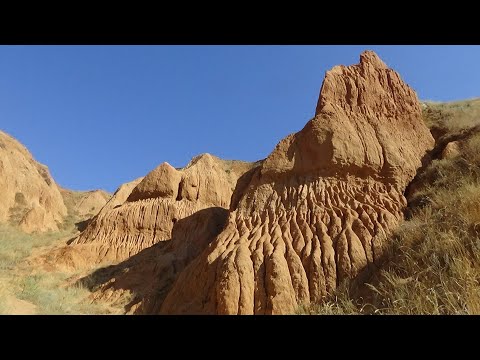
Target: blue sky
[(100, 116)]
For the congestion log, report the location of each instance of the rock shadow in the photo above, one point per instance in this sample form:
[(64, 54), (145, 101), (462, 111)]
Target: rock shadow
[(149, 275)]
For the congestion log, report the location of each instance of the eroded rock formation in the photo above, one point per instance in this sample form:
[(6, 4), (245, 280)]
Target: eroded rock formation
[(29, 197), (144, 212), (319, 208)]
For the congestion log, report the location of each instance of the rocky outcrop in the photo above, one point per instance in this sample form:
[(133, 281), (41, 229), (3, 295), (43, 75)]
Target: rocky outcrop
[(29, 197), (451, 150), (319, 208), (144, 212)]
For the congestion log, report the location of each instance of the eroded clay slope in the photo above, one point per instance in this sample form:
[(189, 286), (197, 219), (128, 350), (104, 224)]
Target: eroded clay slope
[(29, 197), (144, 212), (146, 277), (319, 208)]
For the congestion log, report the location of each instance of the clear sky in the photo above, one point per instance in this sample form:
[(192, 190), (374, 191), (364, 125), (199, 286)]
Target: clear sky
[(100, 116)]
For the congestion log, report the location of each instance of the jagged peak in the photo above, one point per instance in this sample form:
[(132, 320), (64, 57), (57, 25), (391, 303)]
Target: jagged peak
[(370, 57), (369, 87)]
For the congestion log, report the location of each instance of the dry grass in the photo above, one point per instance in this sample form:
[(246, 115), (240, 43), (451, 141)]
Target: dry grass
[(340, 304), (433, 263), (45, 291), (16, 245), (453, 116)]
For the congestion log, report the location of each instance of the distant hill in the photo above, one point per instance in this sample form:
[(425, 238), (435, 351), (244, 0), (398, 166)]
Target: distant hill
[(31, 200)]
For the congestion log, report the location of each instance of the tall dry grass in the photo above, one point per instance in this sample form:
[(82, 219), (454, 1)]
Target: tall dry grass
[(453, 116)]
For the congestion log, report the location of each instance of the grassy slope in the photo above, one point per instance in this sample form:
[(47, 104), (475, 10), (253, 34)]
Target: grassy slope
[(45, 291), (453, 116), (22, 283), (433, 263)]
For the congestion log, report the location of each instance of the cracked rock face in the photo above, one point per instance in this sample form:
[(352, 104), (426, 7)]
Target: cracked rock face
[(319, 208)]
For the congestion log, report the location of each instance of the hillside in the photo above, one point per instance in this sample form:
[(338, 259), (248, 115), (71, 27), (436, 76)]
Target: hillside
[(314, 214), (318, 211), (371, 208), (30, 198), (36, 215)]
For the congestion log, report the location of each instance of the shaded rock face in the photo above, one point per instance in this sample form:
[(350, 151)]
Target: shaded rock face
[(144, 212), (29, 197), (150, 274), (319, 208)]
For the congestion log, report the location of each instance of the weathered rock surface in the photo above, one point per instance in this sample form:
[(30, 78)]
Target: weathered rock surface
[(318, 210), (144, 212), (29, 197)]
